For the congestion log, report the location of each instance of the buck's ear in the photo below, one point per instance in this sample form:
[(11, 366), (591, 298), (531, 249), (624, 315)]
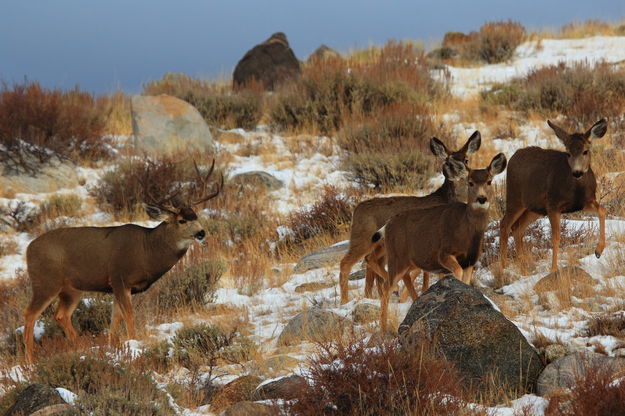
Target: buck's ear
[(598, 130), (454, 170), (438, 148), (473, 144), (559, 131), (498, 164), (154, 212)]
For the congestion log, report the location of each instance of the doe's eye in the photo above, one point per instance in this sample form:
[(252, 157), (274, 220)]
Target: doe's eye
[(490, 182), (182, 221), (585, 152), (470, 183)]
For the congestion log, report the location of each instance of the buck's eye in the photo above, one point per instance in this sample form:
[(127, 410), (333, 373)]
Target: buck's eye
[(182, 221), (585, 152), (466, 161)]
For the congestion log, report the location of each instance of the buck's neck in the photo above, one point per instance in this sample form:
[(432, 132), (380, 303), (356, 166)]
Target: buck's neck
[(167, 251)]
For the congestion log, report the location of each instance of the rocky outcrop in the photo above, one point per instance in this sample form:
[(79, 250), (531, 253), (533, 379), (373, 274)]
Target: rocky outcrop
[(323, 52), (164, 124), (562, 373), (270, 63), (324, 257), (313, 325), (258, 179), (39, 399), (468, 331)]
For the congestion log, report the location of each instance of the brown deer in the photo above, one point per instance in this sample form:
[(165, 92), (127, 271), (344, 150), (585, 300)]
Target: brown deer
[(372, 214), (550, 182), (122, 260), (440, 239)]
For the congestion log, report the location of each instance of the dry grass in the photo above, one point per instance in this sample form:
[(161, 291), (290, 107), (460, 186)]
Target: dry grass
[(606, 324), (117, 113)]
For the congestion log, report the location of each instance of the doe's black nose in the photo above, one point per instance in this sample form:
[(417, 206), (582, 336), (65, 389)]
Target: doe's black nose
[(481, 199), (200, 234), (578, 174)]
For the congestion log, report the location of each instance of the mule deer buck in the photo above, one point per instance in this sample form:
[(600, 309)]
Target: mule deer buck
[(440, 239), (550, 182), (372, 214), (122, 260)]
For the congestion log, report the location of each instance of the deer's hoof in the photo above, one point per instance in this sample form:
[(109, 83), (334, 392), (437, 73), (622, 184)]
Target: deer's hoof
[(597, 254)]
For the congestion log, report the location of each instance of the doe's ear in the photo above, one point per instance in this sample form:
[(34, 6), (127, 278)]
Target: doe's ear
[(473, 143), (454, 170), (559, 131), (598, 130), (498, 164), (154, 212), (438, 148)]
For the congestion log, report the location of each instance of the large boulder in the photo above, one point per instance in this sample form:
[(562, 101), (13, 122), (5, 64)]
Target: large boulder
[(323, 52), (269, 63), (164, 124), (285, 388), (258, 179), (468, 331), (324, 257), (313, 325), (38, 398), (48, 177), (238, 390), (562, 373)]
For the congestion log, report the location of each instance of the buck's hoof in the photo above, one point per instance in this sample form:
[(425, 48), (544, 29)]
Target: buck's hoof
[(597, 254)]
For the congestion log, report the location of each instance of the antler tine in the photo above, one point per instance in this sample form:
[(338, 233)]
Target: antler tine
[(204, 182)]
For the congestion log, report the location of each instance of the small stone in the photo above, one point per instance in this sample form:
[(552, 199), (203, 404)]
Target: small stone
[(313, 287), (364, 313), (358, 275), (324, 257), (285, 388), (555, 351), (313, 325)]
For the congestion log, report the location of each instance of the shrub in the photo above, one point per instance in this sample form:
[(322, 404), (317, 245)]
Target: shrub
[(326, 216), (189, 285), (218, 105), (495, 42), (383, 380), (103, 388), (61, 205), (37, 124), (606, 325), (581, 92), (598, 390), (335, 89)]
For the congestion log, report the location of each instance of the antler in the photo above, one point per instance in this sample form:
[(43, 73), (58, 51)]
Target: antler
[(203, 183), (165, 202)]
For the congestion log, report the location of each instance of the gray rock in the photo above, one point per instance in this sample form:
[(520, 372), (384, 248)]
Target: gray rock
[(50, 177), (313, 287), (313, 325), (562, 373), (38, 398), (471, 333), (324, 257), (364, 313), (258, 178), (164, 124), (555, 351), (358, 275), (323, 52), (270, 63), (280, 364), (237, 390), (285, 388), (247, 408)]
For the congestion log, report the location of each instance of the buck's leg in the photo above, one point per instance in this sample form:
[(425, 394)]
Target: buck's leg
[(37, 305), (116, 317), (594, 206), (450, 263), (554, 220), (124, 303), (507, 221), (68, 300)]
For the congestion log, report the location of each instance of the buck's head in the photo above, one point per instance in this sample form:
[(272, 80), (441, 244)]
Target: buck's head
[(578, 145), (480, 182), (180, 221), (472, 145)]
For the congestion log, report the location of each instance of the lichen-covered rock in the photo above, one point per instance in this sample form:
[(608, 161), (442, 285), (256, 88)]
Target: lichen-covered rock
[(270, 63), (285, 388), (324, 257), (258, 178), (313, 325), (38, 398), (471, 333), (364, 313), (323, 52), (236, 391), (164, 124), (561, 373)]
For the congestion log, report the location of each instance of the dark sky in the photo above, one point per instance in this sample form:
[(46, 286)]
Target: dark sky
[(104, 45)]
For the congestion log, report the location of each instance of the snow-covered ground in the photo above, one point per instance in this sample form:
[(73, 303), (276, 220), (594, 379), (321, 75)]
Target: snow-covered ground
[(533, 55)]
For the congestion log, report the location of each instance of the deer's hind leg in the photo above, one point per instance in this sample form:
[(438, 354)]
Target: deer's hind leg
[(68, 300), (38, 304), (354, 253), (510, 218)]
